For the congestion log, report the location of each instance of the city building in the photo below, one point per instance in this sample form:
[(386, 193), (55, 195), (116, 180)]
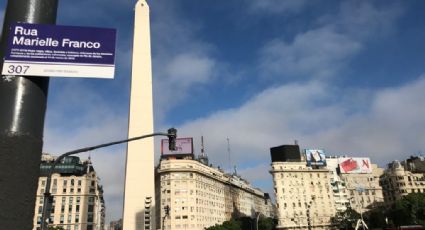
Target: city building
[(303, 190), (402, 178), (77, 202), (115, 225), (340, 192), (191, 194), (361, 180)]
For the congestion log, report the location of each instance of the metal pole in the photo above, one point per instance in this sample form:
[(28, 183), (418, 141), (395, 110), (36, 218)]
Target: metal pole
[(172, 133), (23, 107), (257, 217)]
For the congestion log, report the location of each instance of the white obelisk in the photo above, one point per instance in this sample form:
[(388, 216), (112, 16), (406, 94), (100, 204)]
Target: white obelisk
[(139, 193)]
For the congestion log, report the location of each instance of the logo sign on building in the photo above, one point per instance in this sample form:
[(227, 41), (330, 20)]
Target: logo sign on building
[(315, 157), (183, 146), (355, 165), (60, 51)]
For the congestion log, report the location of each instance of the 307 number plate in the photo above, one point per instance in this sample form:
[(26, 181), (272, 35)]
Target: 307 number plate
[(17, 69)]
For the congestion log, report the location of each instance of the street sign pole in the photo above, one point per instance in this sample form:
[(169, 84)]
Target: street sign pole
[(22, 111)]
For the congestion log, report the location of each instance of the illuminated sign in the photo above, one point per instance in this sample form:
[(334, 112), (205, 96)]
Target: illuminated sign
[(183, 146)]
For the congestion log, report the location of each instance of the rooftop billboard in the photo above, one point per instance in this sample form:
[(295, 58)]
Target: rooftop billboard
[(315, 157), (183, 146), (355, 165)]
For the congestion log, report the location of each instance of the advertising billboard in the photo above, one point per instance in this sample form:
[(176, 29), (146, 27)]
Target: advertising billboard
[(183, 146), (355, 165), (59, 51), (315, 157)]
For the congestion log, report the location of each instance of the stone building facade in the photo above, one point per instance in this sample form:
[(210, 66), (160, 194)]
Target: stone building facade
[(193, 195), (78, 202)]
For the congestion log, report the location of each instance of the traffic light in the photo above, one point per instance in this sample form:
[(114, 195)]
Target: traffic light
[(172, 135)]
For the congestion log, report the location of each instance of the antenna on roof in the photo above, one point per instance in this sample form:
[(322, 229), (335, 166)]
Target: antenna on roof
[(228, 152), (203, 157), (202, 146)]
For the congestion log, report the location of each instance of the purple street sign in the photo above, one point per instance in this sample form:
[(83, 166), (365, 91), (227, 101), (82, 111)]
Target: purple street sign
[(63, 51)]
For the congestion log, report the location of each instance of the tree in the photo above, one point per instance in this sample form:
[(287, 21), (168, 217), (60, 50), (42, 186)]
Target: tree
[(346, 219), (410, 209), (246, 223), (375, 217), (227, 225), (56, 228), (267, 223)]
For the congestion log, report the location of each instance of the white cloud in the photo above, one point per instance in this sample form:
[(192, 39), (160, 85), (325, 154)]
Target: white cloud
[(274, 116), (390, 128), (181, 61), (362, 19), (319, 53), (181, 75), (323, 51), (277, 6)]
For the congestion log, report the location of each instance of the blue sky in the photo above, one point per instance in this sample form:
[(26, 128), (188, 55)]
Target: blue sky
[(344, 76)]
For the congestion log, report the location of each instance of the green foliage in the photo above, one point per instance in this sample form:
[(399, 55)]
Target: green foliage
[(267, 223), (56, 228), (246, 223), (409, 210), (346, 219), (375, 218), (227, 225)]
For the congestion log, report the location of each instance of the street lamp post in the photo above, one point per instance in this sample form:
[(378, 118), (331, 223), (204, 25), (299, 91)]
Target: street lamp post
[(257, 217), (171, 134), (167, 213), (360, 221)]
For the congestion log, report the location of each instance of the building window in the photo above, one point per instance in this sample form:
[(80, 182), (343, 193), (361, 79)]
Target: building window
[(89, 218)]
